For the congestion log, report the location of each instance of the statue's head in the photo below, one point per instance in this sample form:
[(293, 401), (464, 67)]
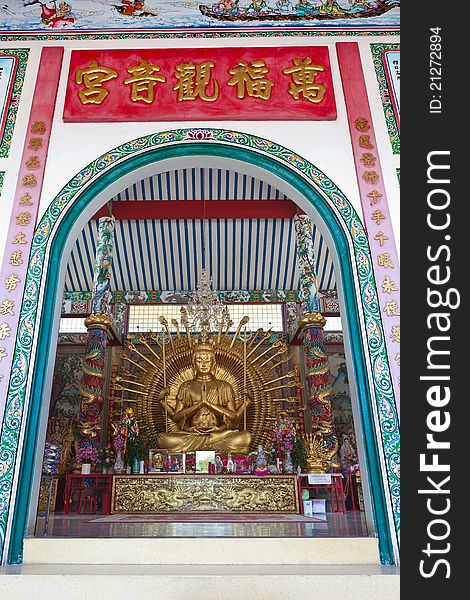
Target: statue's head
[(204, 359)]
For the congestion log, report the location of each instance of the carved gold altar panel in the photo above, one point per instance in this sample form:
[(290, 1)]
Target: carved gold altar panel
[(204, 493), (43, 490)]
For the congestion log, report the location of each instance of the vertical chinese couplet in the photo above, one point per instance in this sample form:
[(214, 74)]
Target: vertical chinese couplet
[(98, 323)]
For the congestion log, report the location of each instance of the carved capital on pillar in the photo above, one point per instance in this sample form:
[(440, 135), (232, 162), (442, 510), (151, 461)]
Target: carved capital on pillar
[(98, 321), (312, 319)]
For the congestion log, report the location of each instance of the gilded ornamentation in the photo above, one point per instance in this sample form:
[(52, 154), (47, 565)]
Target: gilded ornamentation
[(33, 163), (378, 217), (368, 159), (23, 218), (384, 260), (361, 124), (35, 143), (250, 79), (395, 335), (20, 238), (29, 181), (206, 412), (381, 238), (370, 177), (318, 455), (313, 319), (144, 78), (38, 127), (303, 74), (11, 282), (98, 321), (193, 81), (43, 492), (16, 258), (391, 308), (60, 433), (364, 142), (93, 77), (4, 331), (388, 286), (202, 493), (6, 307), (210, 400), (374, 197)]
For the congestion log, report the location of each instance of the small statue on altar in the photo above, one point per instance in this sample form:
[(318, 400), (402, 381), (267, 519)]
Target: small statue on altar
[(205, 413), (219, 465), (261, 462)]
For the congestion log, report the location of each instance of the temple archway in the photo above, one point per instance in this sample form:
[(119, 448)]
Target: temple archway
[(313, 192)]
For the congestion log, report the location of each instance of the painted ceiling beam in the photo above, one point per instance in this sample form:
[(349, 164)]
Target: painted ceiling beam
[(196, 209)]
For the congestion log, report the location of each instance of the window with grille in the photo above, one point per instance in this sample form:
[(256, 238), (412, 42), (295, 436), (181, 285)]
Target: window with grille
[(333, 324), (145, 317), (72, 325)]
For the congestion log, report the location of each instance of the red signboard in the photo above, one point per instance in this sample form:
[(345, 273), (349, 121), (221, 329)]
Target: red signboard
[(232, 84)]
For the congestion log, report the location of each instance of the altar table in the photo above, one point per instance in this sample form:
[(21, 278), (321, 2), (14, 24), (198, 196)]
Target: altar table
[(335, 488), (163, 493)]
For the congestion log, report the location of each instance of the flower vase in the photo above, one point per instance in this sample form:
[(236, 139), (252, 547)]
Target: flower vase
[(86, 468), (119, 464), (141, 467), (288, 466), (135, 466)]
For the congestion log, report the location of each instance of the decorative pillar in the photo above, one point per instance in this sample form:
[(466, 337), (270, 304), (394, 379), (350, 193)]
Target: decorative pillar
[(98, 324), (318, 382), (308, 287), (317, 363)]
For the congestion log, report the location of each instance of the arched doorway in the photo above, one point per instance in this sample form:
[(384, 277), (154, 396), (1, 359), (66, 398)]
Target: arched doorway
[(313, 192)]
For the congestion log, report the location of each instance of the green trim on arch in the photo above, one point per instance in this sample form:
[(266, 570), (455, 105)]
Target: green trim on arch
[(376, 405)]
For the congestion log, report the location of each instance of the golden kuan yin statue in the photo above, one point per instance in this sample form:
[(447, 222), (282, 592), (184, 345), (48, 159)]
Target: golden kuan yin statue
[(206, 393), (205, 412)]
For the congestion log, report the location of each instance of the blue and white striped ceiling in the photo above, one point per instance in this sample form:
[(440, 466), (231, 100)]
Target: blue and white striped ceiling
[(201, 184), (241, 254)]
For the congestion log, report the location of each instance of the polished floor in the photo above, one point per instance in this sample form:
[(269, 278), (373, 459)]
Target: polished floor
[(351, 524)]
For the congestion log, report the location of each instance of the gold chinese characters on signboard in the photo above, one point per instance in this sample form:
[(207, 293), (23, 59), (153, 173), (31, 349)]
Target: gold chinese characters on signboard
[(196, 80)]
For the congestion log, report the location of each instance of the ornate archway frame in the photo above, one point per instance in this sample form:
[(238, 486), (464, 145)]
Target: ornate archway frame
[(378, 415)]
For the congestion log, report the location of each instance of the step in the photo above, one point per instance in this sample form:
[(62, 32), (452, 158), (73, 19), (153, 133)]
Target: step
[(199, 582), (202, 551)]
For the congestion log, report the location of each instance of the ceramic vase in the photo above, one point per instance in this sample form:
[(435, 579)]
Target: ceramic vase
[(119, 464), (288, 466), (86, 468)]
